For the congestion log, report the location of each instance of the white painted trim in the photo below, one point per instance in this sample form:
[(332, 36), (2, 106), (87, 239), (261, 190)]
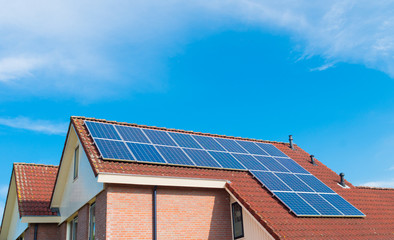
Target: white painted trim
[(249, 214), (160, 181), (41, 219)]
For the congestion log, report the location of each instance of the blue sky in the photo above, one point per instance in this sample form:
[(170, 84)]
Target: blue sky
[(322, 72)]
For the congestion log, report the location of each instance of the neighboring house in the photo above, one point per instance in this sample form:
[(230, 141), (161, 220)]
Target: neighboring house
[(88, 197)]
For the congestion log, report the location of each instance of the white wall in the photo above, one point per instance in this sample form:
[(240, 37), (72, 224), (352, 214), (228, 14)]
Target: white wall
[(252, 228), (76, 193), (16, 226)]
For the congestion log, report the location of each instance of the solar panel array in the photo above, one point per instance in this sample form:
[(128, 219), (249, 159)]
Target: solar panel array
[(300, 191)]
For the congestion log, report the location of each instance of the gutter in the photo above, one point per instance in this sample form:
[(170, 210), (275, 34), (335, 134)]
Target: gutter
[(154, 202)]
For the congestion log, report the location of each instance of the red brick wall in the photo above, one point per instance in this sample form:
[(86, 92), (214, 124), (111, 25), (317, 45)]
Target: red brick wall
[(62, 231), (47, 231), (183, 213), (83, 223), (101, 215)]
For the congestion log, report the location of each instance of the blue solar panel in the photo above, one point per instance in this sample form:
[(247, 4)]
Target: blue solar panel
[(102, 130), (230, 145), (113, 150), (272, 182), (185, 140), (271, 149), (174, 155), (296, 204), (145, 153), (271, 164), (320, 204), (249, 162), (293, 182), (226, 160), (252, 148), (290, 182), (315, 183), (159, 137), (291, 165), (208, 143), (132, 134), (342, 205), (202, 158)]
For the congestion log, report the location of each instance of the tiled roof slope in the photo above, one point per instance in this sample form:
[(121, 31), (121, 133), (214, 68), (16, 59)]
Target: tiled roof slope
[(378, 205), (34, 186)]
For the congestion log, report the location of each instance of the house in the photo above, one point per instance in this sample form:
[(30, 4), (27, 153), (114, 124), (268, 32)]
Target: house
[(99, 192)]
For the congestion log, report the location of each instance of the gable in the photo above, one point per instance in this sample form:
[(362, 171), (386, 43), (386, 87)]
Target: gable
[(71, 194)]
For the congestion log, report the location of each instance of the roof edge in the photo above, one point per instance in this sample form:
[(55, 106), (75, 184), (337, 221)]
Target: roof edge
[(374, 188)]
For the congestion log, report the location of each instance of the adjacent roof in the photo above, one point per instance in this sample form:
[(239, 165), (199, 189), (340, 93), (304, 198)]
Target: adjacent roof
[(34, 186), (377, 204)]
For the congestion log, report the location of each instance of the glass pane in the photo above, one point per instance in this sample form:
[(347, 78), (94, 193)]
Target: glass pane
[(237, 221)]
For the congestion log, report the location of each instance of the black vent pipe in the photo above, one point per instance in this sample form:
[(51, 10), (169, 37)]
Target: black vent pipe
[(35, 231), (313, 160), (342, 182), (291, 141), (154, 201)]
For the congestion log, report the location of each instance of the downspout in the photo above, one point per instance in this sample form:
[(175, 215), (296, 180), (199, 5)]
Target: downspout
[(154, 201), (35, 231)]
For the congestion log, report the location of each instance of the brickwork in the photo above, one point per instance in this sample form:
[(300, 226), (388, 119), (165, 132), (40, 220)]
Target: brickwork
[(47, 231), (62, 231), (183, 213), (101, 215), (83, 223)]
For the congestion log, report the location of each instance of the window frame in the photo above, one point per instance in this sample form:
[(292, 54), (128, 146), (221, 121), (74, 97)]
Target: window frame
[(76, 163), (92, 224), (73, 228), (233, 206)]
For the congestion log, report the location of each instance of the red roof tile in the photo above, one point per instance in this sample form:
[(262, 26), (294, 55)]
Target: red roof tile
[(377, 204), (34, 186)]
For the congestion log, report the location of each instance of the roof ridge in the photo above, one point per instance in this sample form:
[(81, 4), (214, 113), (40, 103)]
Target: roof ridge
[(375, 188), (36, 164), (176, 130)]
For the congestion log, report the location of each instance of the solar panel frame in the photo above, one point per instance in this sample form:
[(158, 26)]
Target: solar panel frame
[(271, 164), (120, 153), (227, 160), (342, 205), (231, 145), (102, 130), (294, 183), (320, 204), (271, 181), (145, 153), (159, 137), (175, 155), (202, 158), (252, 148), (271, 149), (249, 161), (132, 134), (296, 204), (208, 143), (185, 140)]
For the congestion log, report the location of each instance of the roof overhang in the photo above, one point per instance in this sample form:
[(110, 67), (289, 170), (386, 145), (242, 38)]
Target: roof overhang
[(160, 180), (40, 219)]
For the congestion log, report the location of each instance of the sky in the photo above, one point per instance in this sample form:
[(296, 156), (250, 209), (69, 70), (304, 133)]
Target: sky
[(321, 71)]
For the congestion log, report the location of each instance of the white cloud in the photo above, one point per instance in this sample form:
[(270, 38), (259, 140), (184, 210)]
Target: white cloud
[(323, 67), (42, 126), (381, 184), (84, 48)]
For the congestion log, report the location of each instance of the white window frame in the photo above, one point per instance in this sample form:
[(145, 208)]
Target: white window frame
[(76, 163)]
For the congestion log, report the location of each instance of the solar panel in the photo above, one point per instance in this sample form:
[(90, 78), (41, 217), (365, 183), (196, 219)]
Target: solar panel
[(145, 153), (271, 181), (102, 130), (174, 155), (226, 160), (185, 140), (271, 164), (252, 148), (202, 158), (296, 204), (208, 143), (230, 145), (293, 182), (113, 150), (159, 137), (291, 165), (132, 134), (271, 149), (294, 186), (320, 204), (342, 205), (249, 162), (315, 183)]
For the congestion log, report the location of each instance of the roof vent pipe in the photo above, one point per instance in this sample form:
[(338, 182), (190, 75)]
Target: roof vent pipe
[(313, 159), (342, 182), (291, 141)]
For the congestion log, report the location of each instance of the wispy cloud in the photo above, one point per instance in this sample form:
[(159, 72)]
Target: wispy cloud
[(42, 126), (81, 49), (382, 184), (323, 67), (3, 191)]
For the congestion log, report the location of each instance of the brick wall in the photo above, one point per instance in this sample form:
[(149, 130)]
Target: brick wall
[(83, 223), (101, 215), (63, 231), (47, 231), (182, 213)]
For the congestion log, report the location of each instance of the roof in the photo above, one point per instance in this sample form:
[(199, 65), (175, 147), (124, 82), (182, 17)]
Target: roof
[(34, 186), (377, 204)]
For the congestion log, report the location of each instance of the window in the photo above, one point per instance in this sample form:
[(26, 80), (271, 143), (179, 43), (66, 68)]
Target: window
[(74, 228), (92, 221), (76, 162), (238, 227)]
